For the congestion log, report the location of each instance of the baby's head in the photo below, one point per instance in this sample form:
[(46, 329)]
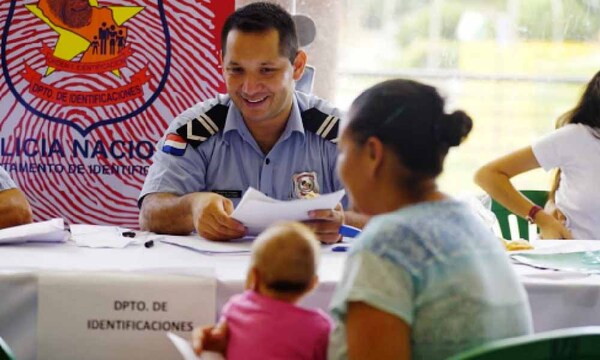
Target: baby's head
[(284, 261)]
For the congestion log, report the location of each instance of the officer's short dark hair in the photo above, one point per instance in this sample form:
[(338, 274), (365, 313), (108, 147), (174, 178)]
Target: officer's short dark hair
[(261, 17)]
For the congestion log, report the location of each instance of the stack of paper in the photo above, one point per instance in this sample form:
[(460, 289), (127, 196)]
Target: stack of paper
[(581, 256), (46, 231), (257, 211), (587, 262)]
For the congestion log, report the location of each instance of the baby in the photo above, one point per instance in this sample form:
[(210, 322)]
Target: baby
[(264, 322)]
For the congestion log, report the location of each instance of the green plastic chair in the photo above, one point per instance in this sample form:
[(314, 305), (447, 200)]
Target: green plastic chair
[(581, 343), (5, 351), (538, 197)]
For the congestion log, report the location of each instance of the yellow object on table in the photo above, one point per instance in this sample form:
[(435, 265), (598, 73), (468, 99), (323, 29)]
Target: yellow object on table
[(514, 245)]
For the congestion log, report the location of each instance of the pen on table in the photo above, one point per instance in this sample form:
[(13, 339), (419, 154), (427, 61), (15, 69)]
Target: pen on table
[(349, 231), (131, 234)]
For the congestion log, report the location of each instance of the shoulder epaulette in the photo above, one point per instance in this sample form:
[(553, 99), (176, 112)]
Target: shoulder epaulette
[(198, 130), (320, 123)]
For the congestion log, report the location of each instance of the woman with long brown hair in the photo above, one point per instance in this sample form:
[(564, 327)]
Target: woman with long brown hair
[(574, 149)]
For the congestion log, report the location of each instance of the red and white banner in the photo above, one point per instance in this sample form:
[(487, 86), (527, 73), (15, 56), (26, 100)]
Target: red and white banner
[(87, 89)]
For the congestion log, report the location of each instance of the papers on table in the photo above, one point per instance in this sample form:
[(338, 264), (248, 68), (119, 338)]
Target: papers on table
[(584, 262), (206, 247), (103, 236), (561, 246), (95, 236), (565, 255), (257, 211), (46, 231)]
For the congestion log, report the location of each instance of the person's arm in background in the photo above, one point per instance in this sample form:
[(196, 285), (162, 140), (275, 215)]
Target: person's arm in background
[(494, 178), (207, 213), (375, 334), (14, 208)]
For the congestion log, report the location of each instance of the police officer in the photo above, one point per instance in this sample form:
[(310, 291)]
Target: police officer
[(262, 134), (14, 208)]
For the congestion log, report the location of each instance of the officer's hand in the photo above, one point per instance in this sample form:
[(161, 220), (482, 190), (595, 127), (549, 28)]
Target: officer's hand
[(326, 224), (212, 220), (210, 338)]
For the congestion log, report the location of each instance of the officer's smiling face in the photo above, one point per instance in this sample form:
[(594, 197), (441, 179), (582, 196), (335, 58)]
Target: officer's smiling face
[(260, 80)]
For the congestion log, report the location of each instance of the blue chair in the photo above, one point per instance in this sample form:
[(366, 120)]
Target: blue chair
[(580, 343), (538, 197)]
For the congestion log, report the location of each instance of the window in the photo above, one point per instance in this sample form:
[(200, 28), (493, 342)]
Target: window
[(513, 65)]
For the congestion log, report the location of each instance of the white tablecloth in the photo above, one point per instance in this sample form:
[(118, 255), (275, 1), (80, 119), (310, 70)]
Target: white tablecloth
[(561, 299), (558, 300), (18, 283)]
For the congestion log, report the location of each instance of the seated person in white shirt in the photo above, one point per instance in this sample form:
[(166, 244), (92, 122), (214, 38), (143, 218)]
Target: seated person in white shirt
[(14, 208), (573, 149)]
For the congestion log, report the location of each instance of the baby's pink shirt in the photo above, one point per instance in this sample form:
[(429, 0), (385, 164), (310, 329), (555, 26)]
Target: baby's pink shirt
[(264, 328)]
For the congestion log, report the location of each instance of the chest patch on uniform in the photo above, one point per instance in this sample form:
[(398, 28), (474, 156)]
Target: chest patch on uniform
[(306, 185), (174, 145)]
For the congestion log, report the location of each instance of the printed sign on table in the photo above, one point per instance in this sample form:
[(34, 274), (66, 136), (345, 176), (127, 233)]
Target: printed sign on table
[(96, 315)]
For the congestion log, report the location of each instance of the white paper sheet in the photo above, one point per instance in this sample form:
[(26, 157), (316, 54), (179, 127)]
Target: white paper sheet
[(45, 231), (102, 236), (206, 247), (257, 211), (187, 352)]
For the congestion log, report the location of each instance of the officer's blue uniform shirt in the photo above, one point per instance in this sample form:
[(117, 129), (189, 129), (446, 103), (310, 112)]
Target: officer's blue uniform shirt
[(5, 180), (209, 148)]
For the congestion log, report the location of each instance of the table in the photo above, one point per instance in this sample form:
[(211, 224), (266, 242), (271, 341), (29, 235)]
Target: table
[(562, 299), (18, 291), (558, 300)]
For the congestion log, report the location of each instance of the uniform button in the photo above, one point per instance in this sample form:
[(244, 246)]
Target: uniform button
[(268, 161)]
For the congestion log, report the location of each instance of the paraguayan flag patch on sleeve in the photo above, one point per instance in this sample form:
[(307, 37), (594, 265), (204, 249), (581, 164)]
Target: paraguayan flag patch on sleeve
[(174, 144)]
